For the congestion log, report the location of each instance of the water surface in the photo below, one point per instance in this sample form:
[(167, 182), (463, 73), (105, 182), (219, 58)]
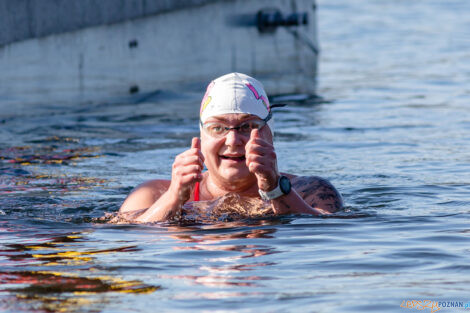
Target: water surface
[(390, 130)]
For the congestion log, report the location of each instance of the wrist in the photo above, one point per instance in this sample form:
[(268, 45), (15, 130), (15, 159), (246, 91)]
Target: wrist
[(177, 194), (283, 187), (164, 208), (274, 184)]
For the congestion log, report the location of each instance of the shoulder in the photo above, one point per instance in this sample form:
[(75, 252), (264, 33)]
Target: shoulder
[(318, 192), (154, 184), (144, 195)]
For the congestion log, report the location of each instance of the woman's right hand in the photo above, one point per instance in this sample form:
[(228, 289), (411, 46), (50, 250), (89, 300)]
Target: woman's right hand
[(186, 171)]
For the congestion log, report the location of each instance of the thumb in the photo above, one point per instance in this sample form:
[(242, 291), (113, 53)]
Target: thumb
[(196, 143), (254, 134)]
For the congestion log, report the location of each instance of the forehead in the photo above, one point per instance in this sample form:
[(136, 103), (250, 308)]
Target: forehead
[(232, 118)]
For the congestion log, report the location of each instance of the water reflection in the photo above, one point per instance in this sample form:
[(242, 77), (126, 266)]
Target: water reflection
[(33, 182), (219, 269), (58, 273), (47, 154), (45, 282), (18, 176)]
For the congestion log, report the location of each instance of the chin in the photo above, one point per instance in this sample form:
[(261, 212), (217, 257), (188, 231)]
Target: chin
[(234, 175)]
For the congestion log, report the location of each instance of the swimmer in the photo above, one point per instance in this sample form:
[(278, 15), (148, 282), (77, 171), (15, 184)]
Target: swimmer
[(236, 146)]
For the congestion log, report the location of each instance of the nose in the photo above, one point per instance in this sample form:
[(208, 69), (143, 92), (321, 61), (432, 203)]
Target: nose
[(233, 138)]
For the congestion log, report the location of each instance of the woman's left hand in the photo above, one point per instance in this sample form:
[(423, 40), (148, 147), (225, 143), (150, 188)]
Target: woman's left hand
[(261, 160)]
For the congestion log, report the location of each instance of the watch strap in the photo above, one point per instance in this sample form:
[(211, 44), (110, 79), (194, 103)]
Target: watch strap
[(273, 194)]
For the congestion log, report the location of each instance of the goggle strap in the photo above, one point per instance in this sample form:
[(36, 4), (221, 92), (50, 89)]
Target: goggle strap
[(278, 105)]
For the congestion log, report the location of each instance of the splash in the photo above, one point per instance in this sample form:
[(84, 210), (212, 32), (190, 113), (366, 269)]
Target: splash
[(230, 207)]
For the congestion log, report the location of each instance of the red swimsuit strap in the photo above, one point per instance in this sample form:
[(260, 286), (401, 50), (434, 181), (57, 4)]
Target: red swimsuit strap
[(196, 191)]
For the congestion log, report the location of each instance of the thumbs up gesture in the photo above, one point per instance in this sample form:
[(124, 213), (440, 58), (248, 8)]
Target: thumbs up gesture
[(186, 171), (261, 160)]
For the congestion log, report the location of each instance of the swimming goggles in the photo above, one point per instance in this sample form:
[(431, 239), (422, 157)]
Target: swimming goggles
[(218, 130)]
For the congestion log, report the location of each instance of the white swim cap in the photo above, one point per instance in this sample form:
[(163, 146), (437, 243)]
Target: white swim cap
[(235, 93)]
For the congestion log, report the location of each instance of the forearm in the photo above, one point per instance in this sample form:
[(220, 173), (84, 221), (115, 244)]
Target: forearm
[(293, 203), (161, 210)]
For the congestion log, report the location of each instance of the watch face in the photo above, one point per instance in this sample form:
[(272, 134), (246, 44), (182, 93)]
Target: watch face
[(284, 184)]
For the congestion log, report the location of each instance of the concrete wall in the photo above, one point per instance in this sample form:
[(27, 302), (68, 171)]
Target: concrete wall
[(175, 50), (24, 19)]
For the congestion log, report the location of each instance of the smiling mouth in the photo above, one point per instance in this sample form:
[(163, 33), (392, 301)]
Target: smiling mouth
[(233, 158)]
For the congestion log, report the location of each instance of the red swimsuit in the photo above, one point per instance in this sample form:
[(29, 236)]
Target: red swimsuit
[(196, 191)]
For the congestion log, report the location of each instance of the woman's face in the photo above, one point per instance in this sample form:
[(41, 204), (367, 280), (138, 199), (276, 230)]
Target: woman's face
[(225, 156)]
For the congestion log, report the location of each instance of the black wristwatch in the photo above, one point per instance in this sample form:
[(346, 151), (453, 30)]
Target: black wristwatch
[(283, 188)]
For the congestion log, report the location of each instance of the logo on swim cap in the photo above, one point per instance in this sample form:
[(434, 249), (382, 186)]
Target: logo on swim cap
[(257, 96), (205, 101)]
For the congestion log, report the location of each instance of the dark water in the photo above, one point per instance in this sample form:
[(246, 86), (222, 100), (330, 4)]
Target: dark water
[(391, 131)]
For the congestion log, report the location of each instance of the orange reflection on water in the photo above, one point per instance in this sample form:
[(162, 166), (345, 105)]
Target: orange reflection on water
[(76, 257), (46, 154), (18, 177), (39, 253), (59, 292), (48, 183), (44, 282), (64, 288)]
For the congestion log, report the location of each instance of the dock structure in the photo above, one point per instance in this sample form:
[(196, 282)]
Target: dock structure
[(90, 50), (26, 19)]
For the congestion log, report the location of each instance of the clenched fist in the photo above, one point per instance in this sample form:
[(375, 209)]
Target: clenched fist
[(186, 171), (261, 160)]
